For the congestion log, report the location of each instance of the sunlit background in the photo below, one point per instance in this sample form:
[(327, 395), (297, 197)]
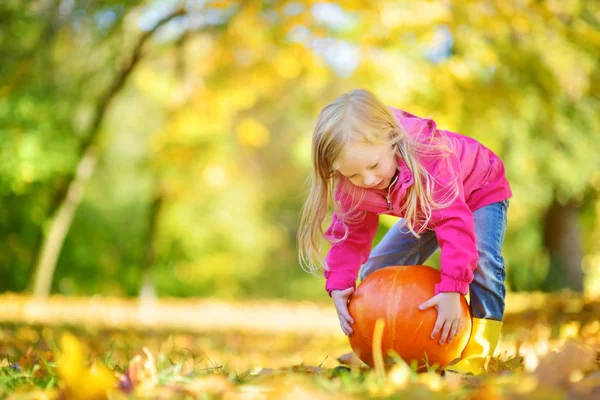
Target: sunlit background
[(162, 147)]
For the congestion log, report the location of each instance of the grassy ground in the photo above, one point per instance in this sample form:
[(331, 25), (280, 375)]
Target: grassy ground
[(549, 350)]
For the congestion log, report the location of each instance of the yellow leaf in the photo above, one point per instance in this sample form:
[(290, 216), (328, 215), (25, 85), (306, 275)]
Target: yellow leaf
[(287, 65), (99, 380), (432, 380), (70, 361), (400, 375), (252, 133), (77, 380)]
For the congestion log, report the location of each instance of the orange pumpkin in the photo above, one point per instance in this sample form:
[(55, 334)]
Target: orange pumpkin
[(394, 294)]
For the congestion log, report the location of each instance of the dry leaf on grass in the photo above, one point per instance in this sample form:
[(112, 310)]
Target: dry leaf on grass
[(511, 365), (350, 359), (77, 380), (555, 370), (142, 372), (588, 387), (301, 369)]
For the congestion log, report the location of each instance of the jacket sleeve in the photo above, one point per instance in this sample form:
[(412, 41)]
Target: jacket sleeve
[(455, 231), (345, 258)]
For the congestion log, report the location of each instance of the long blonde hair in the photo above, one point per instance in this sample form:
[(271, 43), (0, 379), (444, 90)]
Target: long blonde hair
[(359, 116)]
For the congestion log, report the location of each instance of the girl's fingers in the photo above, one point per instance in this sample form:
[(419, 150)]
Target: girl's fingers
[(447, 327), (346, 327), (347, 316), (345, 321), (436, 329), (342, 310), (454, 331)]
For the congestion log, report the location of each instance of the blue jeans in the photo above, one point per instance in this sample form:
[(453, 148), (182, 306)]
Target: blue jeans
[(487, 291)]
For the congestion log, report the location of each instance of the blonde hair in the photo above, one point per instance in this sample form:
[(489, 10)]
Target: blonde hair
[(359, 116)]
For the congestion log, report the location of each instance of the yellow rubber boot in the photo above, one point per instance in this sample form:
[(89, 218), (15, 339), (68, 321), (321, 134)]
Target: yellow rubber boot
[(485, 334)]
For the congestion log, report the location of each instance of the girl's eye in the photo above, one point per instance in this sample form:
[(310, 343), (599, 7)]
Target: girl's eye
[(374, 165)]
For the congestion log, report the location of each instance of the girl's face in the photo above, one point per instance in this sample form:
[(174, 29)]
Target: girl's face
[(369, 166)]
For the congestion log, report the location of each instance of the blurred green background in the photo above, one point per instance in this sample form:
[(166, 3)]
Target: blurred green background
[(163, 147)]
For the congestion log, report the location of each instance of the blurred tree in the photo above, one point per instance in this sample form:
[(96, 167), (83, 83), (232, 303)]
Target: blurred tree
[(523, 78), (203, 144), (61, 221)]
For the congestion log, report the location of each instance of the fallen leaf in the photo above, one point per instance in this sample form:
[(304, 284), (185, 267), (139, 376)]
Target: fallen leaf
[(486, 392), (555, 369), (34, 357), (142, 371), (306, 369), (350, 359), (588, 387), (511, 365), (79, 382), (71, 361), (400, 375)]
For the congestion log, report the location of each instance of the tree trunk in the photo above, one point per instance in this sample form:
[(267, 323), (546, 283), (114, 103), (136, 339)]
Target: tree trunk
[(147, 289), (562, 240), (61, 222)]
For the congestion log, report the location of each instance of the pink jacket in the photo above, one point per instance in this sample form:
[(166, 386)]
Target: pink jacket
[(482, 181)]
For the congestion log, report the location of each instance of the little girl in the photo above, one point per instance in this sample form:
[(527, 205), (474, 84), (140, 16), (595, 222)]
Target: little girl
[(449, 190)]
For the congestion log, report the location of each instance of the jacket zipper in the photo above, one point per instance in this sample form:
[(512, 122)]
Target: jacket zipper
[(387, 197)]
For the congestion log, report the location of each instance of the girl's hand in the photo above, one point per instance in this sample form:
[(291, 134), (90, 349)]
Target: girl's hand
[(340, 300), (449, 314)]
